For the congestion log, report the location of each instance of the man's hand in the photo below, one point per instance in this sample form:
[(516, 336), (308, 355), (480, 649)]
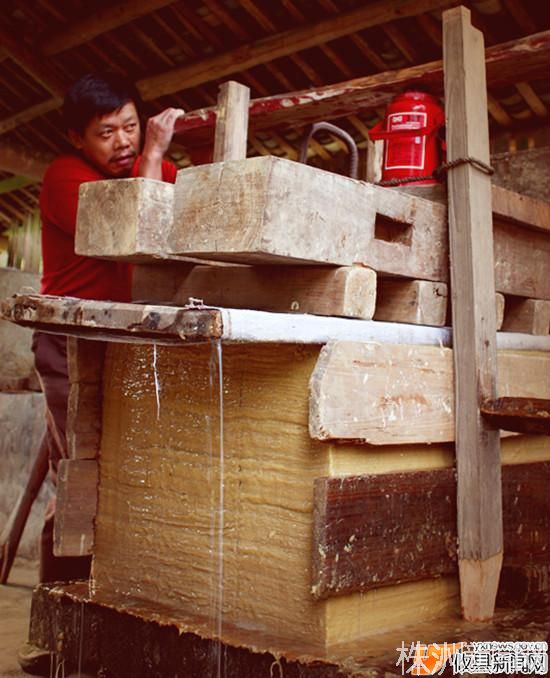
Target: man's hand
[(158, 135)]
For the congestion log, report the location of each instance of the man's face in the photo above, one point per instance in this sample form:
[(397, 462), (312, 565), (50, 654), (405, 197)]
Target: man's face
[(111, 142)]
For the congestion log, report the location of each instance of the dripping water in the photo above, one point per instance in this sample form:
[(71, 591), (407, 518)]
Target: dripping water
[(221, 507), (218, 515), (156, 376)]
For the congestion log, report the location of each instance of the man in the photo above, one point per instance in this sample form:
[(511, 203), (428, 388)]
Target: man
[(104, 128)]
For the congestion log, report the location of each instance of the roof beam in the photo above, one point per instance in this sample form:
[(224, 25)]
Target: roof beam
[(99, 22), (29, 114), (517, 60), (30, 62), (283, 44), (23, 160)]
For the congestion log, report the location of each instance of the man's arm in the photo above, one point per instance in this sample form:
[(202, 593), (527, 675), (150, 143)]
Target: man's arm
[(158, 136)]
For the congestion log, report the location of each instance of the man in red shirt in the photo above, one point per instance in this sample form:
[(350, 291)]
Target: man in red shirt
[(104, 128)]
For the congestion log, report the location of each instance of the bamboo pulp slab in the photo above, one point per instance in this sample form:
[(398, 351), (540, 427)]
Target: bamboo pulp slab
[(190, 324)]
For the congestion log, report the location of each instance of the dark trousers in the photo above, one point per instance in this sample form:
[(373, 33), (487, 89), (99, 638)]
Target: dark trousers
[(50, 358)]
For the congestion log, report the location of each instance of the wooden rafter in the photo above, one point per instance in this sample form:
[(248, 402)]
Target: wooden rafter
[(98, 22), (29, 114), (521, 60), (31, 62), (23, 160), (528, 58), (283, 44)]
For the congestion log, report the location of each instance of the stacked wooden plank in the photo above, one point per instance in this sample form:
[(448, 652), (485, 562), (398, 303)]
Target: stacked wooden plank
[(311, 241)]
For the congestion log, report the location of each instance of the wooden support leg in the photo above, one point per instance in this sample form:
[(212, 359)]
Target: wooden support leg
[(479, 495)]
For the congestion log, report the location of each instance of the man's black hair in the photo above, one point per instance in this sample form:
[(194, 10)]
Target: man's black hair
[(97, 95)]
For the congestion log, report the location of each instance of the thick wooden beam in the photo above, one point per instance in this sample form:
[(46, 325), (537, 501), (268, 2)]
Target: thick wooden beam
[(397, 395), (521, 209), (420, 302), (29, 114), (112, 320), (134, 220), (335, 220), (523, 59), (523, 415), (128, 644), (506, 63), (380, 530), (148, 323), (527, 315), (282, 44), (98, 22), (348, 291), (231, 122), (23, 161), (474, 317)]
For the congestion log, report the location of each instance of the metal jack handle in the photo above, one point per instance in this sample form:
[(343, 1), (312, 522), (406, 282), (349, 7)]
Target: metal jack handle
[(329, 127)]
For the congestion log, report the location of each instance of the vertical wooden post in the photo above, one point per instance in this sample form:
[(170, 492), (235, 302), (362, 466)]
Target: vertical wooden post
[(474, 317), (231, 122)]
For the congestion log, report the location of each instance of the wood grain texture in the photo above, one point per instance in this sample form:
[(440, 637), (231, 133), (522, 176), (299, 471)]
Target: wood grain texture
[(521, 209), (124, 218), (398, 394), (474, 318), (272, 210), (419, 302), (77, 483), (372, 531), (231, 122), (507, 63), (523, 415), (348, 291), (84, 410), (282, 44), (378, 530), (112, 320), (500, 305), (527, 315), (522, 260)]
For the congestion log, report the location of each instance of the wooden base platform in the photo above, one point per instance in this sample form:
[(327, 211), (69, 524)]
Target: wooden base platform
[(133, 642)]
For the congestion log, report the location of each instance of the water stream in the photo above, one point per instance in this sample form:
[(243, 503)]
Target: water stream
[(218, 512), (156, 376)]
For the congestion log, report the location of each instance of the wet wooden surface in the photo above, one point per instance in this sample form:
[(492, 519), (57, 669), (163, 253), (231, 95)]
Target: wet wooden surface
[(123, 641), (377, 530)]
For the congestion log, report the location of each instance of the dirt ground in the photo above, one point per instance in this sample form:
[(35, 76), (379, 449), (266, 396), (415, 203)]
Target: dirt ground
[(15, 606)]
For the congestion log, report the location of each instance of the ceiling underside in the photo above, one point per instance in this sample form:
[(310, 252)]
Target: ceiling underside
[(178, 52)]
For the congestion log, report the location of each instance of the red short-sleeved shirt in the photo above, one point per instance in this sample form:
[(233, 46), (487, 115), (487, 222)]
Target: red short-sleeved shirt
[(67, 273)]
